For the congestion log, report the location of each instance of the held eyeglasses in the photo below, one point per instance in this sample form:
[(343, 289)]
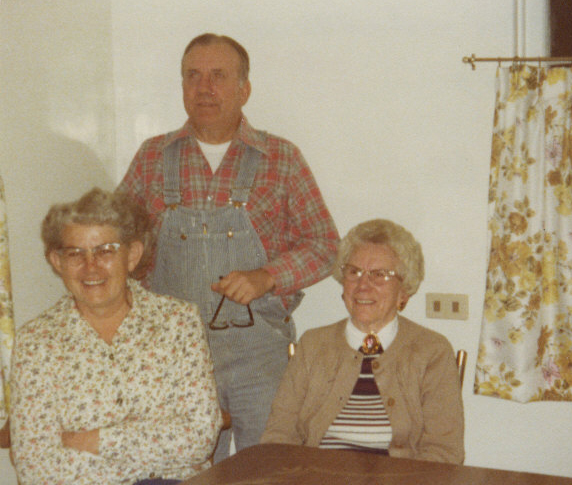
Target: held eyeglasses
[(377, 277), (230, 323), (104, 253)]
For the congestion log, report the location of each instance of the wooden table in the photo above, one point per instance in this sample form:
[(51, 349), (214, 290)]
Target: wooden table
[(300, 465)]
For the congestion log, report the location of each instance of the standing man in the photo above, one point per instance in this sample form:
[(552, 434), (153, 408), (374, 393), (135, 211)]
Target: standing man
[(241, 226)]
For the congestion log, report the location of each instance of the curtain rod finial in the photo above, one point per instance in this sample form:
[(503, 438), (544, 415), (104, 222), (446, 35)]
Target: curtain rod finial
[(470, 60)]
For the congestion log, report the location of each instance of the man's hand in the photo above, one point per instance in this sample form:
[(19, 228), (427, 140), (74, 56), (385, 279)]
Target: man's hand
[(82, 440), (245, 286)]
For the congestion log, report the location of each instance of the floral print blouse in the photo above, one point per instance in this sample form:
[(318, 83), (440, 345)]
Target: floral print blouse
[(151, 393)]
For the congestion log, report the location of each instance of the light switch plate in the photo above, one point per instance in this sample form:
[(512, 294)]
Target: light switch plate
[(451, 306)]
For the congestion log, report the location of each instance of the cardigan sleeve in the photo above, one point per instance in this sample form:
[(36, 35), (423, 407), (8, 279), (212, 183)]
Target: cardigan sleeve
[(282, 424)]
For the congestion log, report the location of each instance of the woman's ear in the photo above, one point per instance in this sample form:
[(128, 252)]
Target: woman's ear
[(56, 261), (134, 255), (404, 298)]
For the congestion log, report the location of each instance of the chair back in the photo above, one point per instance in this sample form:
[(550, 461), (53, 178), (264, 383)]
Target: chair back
[(461, 363), (291, 350)]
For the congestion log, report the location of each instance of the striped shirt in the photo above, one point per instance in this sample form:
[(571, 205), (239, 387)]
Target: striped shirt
[(363, 423)]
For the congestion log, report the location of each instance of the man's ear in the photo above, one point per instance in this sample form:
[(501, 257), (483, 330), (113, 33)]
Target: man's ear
[(134, 255), (246, 88)]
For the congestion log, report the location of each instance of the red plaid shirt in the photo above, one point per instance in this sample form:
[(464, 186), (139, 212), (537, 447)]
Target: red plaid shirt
[(285, 206)]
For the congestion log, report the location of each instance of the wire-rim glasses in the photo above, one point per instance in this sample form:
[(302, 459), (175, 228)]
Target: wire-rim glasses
[(102, 254), (377, 277)]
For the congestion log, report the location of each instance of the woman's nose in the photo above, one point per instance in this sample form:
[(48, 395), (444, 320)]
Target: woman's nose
[(90, 260), (363, 280)]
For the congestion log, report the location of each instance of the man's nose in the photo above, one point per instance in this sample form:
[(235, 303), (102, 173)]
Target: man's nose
[(205, 84)]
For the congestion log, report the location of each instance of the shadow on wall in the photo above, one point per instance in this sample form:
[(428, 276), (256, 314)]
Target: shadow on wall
[(41, 168), (57, 130)]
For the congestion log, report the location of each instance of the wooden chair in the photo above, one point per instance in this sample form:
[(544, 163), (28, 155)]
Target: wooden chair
[(5, 435), (461, 363), (226, 419)]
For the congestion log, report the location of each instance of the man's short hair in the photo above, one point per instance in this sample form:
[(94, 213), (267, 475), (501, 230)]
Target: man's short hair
[(209, 39)]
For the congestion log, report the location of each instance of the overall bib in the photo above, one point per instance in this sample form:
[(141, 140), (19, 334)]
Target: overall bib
[(195, 248)]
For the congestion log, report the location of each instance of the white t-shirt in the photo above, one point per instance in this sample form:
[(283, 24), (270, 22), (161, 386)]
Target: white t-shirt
[(214, 153)]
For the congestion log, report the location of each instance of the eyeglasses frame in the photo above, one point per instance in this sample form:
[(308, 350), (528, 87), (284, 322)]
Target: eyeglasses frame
[(83, 251), (226, 323), (388, 274)]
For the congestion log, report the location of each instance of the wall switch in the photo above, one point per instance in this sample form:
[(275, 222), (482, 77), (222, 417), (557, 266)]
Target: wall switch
[(447, 305)]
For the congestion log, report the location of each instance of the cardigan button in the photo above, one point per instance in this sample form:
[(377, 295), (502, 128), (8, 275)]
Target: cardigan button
[(375, 365), (390, 402)]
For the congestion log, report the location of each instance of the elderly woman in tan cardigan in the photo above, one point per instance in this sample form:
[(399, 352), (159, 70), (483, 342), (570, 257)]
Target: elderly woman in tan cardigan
[(374, 381)]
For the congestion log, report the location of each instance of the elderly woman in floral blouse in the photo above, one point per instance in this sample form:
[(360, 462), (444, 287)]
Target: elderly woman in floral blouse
[(113, 384)]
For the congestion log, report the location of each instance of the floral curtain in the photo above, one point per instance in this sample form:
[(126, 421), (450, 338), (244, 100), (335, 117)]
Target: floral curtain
[(525, 351), (6, 309)]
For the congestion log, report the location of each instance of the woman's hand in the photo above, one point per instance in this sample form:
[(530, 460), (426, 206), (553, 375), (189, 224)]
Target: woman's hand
[(82, 440)]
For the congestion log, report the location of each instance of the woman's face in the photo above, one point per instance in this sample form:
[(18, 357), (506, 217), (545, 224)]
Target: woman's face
[(96, 279), (372, 306)]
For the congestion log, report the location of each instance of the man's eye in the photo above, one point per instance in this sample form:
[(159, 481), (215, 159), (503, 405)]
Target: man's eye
[(104, 252), (73, 253)]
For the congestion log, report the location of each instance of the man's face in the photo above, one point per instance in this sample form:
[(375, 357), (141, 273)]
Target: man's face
[(213, 92)]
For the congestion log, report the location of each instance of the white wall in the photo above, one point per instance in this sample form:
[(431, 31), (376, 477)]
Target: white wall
[(56, 130), (375, 94)]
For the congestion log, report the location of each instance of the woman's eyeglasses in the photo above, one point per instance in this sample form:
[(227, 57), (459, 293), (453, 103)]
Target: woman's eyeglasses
[(377, 277), (104, 253)]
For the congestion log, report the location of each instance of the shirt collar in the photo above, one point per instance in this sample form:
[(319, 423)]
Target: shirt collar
[(245, 134), (386, 335)]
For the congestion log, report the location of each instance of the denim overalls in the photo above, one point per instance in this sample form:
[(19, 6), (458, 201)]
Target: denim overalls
[(195, 248)]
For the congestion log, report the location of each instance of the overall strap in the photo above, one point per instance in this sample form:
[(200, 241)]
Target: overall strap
[(171, 188), (247, 171)]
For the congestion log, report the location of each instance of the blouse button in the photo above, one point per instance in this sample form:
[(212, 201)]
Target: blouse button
[(390, 402), (183, 237), (230, 234), (152, 475), (111, 357)]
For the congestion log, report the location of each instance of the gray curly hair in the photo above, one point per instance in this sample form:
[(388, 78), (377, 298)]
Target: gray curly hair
[(397, 238), (100, 207)]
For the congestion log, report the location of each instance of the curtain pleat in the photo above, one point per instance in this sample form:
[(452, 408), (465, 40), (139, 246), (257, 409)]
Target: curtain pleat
[(6, 309), (525, 350)]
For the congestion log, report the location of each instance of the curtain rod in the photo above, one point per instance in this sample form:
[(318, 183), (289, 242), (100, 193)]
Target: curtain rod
[(472, 59)]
